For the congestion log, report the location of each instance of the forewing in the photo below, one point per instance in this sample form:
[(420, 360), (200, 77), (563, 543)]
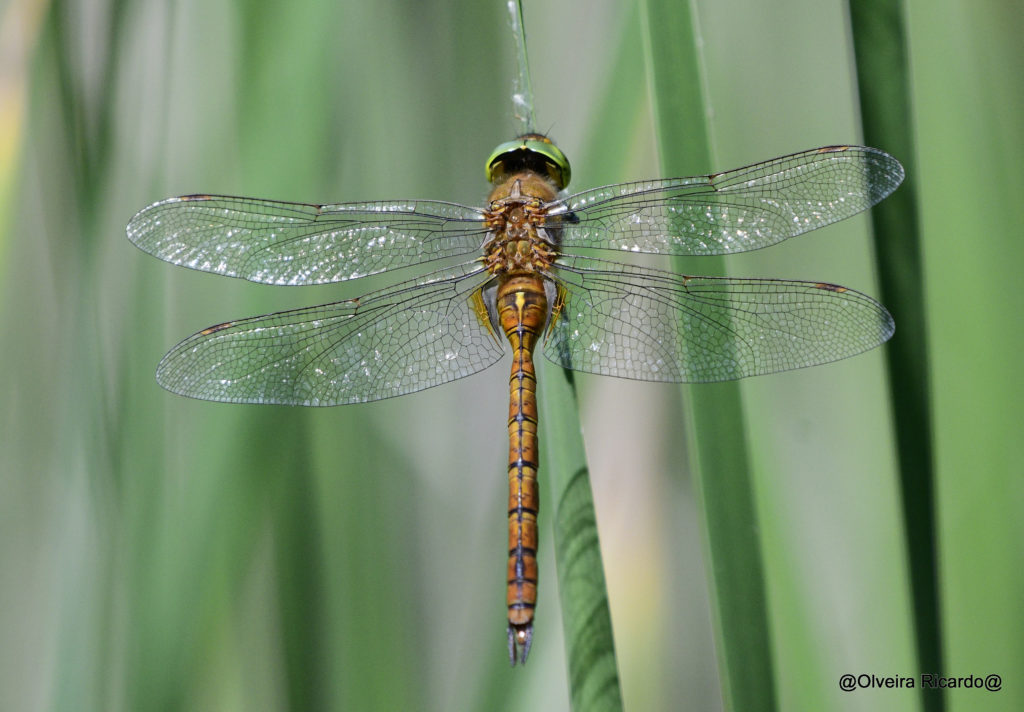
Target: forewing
[(633, 322), (744, 209), (410, 337), (295, 243)]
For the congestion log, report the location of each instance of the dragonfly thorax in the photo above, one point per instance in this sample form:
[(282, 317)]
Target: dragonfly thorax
[(519, 240)]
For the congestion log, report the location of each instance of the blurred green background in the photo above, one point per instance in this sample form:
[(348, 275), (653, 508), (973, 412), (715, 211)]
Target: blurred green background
[(161, 553)]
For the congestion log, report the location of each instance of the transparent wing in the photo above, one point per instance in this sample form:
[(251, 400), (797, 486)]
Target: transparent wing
[(633, 322), (413, 336), (294, 243), (744, 209)]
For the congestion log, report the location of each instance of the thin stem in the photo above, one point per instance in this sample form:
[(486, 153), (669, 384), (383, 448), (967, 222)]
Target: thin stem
[(522, 87)]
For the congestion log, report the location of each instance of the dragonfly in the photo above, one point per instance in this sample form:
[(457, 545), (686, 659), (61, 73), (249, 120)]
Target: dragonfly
[(534, 267)]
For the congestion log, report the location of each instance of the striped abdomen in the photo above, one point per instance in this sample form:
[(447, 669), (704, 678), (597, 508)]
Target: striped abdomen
[(522, 306)]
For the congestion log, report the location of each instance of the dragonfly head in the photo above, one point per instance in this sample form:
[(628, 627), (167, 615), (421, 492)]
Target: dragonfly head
[(533, 152)]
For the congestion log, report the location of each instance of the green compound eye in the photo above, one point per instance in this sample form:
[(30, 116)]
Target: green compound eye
[(531, 151)]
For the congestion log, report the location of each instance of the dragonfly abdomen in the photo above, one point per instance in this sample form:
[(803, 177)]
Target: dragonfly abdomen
[(522, 306)]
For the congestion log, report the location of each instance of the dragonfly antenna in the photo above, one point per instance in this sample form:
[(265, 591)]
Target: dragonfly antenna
[(522, 87)]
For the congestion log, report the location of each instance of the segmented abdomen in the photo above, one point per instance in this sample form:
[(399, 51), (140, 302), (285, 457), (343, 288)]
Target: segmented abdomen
[(522, 309)]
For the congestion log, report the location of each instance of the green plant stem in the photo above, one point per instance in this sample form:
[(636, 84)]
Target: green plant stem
[(590, 648), (883, 81), (722, 464)]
